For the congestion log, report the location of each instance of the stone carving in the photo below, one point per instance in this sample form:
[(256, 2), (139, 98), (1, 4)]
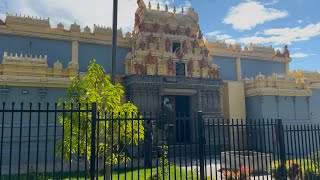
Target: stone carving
[(156, 27), (195, 43), (150, 59), (184, 47), (142, 45), (139, 68), (87, 29), (57, 65), (190, 68), (171, 67), (214, 73), (75, 27), (167, 45), (203, 63), (151, 39), (188, 32), (179, 53), (205, 52), (200, 35), (178, 30), (285, 54), (167, 29), (142, 27)]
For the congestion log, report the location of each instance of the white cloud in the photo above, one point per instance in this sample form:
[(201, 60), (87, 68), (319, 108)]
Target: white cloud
[(299, 55), (284, 35), (300, 21), (218, 35), (249, 14), (82, 12)]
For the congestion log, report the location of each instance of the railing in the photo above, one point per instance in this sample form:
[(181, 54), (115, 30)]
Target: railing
[(68, 141)]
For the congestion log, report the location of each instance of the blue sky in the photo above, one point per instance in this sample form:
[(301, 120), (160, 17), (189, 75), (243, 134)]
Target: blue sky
[(270, 22)]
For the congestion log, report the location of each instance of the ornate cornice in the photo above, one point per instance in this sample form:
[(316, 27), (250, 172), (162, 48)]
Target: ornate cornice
[(172, 82), (40, 28), (278, 92)]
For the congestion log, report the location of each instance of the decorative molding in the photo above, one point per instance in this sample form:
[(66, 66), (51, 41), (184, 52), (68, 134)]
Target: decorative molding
[(281, 85), (40, 28)]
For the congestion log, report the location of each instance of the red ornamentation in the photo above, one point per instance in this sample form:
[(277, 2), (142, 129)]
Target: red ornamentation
[(190, 68), (214, 73), (195, 43), (156, 27), (179, 53), (203, 63), (178, 31), (167, 45), (139, 69), (285, 54), (200, 36), (184, 47), (188, 32), (167, 29), (150, 59), (171, 66)]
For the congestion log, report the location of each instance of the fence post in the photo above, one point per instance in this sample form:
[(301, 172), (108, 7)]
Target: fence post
[(282, 149), (201, 144), (93, 141)]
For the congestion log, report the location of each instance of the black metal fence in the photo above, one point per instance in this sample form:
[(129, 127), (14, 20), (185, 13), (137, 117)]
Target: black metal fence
[(40, 141)]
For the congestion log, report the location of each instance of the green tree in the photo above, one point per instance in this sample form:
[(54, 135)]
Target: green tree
[(121, 127)]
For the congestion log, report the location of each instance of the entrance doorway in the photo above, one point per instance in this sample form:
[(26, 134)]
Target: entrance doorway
[(177, 110), (182, 121)]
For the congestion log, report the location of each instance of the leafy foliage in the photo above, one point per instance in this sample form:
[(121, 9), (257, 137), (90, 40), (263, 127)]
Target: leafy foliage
[(121, 125)]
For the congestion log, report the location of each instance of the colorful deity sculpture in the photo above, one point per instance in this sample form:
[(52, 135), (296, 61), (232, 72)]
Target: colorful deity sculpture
[(203, 63), (150, 59), (171, 67), (190, 68), (184, 47), (167, 29), (156, 27), (167, 45), (178, 30), (142, 45), (139, 68)]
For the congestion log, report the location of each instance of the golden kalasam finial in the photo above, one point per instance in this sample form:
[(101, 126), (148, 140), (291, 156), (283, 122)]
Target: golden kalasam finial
[(158, 6), (166, 8), (182, 11), (174, 10), (149, 5)]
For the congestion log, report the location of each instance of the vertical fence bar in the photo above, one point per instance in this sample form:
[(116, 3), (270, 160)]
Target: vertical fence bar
[(54, 140), (11, 139), (93, 141), (86, 154), (201, 144), (20, 140), (2, 133), (29, 141), (282, 149), (38, 136)]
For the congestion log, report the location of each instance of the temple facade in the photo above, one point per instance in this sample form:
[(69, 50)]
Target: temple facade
[(165, 64)]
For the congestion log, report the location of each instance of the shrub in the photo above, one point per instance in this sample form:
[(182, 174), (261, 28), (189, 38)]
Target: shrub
[(295, 169), (242, 174)]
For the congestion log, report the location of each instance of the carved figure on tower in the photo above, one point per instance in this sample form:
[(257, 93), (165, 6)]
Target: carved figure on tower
[(142, 27), (167, 29), (188, 32), (151, 39), (184, 47), (286, 51), (195, 44), (150, 59), (179, 53), (178, 31), (203, 63), (190, 68), (167, 45), (142, 45), (156, 27), (171, 67), (139, 68)]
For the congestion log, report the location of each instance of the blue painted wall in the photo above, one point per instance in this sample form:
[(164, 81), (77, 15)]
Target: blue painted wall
[(102, 54), (251, 68), (253, 107), (55, 49), (228, 67)]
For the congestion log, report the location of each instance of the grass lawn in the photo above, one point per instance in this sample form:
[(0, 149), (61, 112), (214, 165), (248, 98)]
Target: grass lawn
[(140, 174)]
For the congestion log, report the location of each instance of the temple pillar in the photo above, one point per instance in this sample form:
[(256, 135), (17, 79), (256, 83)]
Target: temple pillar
[(75, 52), (238, 68)]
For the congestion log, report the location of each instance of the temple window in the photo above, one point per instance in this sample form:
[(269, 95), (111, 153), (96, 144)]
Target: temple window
[(180, 69), (175, 46)]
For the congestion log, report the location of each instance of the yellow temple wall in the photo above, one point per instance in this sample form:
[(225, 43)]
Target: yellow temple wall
[(234, 100)]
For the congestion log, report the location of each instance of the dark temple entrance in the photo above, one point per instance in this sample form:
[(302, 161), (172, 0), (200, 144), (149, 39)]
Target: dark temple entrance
[(182, 121)]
